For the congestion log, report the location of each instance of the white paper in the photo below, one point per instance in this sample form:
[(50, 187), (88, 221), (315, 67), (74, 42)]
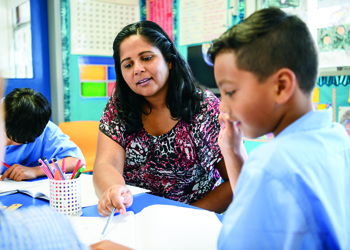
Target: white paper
[(11, 185), (155, 227), (88, 194), (172, 227), (120, 230), (202, 20), (95, 24)]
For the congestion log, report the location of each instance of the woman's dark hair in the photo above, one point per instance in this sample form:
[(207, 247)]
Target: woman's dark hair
[(183, 96), (27, 113)]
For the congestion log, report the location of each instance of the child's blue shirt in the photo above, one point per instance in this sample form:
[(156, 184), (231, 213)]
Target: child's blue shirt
[(52, 143), (39, 228), (294, 191)]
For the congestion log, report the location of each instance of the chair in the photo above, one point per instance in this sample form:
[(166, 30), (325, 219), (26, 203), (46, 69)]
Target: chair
[(84, 134)]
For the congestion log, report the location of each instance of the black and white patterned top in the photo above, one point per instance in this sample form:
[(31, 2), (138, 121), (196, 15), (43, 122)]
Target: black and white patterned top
[(180, 164)]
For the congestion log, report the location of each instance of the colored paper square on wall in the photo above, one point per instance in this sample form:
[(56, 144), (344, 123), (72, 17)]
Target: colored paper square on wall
[(322, 106), (93, 89), (92, 72), (111, 86), (111, 73)]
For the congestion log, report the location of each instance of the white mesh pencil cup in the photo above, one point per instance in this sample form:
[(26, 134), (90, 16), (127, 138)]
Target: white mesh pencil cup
[(65, 196)]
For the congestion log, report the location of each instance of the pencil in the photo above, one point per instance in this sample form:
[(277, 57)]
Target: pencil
[(6, 165), (76, 169), (58, 168), (108, 221), (49, 166), (44, 168), (64, 165)]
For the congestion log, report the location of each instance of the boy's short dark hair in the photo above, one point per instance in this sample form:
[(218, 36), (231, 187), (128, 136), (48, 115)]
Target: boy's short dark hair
[(269, 40), (27, 113)]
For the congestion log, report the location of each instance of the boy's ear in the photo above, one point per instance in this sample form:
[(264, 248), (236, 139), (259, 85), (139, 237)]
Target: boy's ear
[(285, 85)]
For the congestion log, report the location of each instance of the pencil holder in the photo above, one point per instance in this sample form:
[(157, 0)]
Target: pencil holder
[(65, 196)]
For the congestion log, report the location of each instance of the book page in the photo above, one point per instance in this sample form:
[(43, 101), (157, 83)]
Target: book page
[(42, 191), (10, 185), (89, 196), (121, 229), (155, 227), (172, 227)]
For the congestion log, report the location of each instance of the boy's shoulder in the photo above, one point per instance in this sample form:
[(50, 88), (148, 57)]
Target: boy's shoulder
[(309, 141)]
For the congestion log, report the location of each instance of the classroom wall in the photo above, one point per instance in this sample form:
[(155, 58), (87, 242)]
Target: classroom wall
[(78, 108)]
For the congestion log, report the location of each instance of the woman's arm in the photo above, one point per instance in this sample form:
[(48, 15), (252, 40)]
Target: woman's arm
[(219, 198), (108, 176)]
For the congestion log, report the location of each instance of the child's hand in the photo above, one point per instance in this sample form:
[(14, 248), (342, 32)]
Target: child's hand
[(109, 245), (118, 196), (230, 136), (18, 173)]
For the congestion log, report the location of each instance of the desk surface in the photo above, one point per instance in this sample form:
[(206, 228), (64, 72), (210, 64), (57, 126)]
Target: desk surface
[(140, 201)]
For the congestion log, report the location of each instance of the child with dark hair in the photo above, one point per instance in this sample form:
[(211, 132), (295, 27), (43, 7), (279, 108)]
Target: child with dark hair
[(159, 129), (34, 227), (31, 135), (292, 192)]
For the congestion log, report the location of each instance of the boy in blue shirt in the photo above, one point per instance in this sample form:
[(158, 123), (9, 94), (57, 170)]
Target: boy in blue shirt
[(291, 192), (34, 227), (31, 135)]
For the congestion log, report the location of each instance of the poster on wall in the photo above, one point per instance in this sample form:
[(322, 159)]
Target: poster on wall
[(329, 24), (344, 117), (161, 12), (95, 24), (333, 35), (202, 20)]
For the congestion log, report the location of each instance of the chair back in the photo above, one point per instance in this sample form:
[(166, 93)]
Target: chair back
[(84, 134)]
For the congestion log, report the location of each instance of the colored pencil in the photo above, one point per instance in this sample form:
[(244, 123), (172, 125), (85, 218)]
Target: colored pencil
[(76, 169), (6, 165), (58, 168), (108, 221), (44, 168)]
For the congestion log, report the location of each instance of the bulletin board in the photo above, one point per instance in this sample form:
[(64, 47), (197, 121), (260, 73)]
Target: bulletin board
[(95, 24)]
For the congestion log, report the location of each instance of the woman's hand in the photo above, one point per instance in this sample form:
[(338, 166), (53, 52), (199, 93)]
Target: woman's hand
[(118, 196), (18, 173)]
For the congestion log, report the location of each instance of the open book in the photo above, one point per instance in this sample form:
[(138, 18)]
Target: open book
[(155, 227), (41, 189), (35, 189)]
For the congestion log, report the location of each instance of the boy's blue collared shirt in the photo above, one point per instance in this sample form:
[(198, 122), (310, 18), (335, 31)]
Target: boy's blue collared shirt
[(293, 192), (37, 228), (51, 143)]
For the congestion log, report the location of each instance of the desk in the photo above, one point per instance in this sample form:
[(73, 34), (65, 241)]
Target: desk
[(140, 201)]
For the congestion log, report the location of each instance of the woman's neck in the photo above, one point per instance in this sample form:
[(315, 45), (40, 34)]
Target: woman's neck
[(158, 101)]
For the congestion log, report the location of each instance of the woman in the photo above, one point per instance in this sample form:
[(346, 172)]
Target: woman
[(158, 130)]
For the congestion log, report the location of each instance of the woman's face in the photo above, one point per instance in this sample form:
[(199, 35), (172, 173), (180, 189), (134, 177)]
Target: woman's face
[(143, 66)]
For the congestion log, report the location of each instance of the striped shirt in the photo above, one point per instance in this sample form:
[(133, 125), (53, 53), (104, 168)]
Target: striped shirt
[(37, 228)]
